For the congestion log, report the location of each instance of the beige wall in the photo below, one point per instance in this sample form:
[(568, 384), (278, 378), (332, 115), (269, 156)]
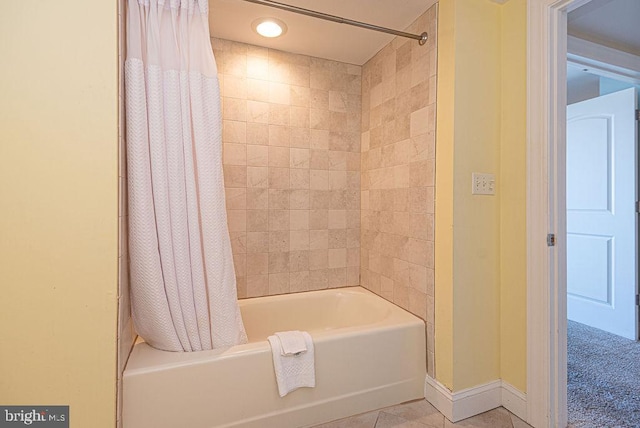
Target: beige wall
[(480, 259), (513, 167), (59, 198), (126, 333), (292, 168), (476, 236), (445, 111), (398, 171)]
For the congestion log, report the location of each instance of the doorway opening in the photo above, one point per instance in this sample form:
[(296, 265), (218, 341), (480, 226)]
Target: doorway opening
[(548, 157), (603, 355)]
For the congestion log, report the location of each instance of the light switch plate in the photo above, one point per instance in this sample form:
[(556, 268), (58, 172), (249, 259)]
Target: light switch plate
[(483, 184)]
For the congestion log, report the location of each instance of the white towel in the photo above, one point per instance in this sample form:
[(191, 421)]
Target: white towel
[(296, 370), (292, 342)]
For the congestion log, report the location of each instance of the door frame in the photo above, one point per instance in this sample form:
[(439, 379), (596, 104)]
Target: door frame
[(546, 202)]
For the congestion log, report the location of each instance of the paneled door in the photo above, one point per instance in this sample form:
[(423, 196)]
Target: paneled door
[(602, 234)]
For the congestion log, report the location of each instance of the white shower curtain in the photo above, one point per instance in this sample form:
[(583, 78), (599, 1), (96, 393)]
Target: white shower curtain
[(183, 285)]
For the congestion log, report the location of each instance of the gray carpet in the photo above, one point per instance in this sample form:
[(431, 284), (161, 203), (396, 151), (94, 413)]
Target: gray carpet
[(603, 388)]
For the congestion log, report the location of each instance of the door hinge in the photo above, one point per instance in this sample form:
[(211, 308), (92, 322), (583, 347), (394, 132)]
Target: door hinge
[(637, 114), (551, 240), (638, 206), (637, 299)]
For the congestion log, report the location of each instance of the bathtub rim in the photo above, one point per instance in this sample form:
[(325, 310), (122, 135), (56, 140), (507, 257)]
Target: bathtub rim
[(146, 359)]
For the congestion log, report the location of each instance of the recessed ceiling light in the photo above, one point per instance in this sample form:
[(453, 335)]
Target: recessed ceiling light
[(269, 27)]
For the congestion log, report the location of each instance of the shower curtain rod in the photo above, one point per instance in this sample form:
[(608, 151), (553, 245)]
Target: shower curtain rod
[(421, 38)]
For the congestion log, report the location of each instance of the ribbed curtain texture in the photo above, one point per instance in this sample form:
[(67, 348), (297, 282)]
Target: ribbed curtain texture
[(183, 285)]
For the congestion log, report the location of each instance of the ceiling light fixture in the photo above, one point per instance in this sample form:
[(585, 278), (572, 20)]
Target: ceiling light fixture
[(269, 27)]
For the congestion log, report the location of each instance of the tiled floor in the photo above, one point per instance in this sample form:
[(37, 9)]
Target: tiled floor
[(421, 414)]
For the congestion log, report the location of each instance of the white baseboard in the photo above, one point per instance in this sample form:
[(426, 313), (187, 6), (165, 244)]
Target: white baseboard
[(514, 400), (464, 404)]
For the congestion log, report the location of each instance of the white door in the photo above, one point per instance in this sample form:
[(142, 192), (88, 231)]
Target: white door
[(602, 234)]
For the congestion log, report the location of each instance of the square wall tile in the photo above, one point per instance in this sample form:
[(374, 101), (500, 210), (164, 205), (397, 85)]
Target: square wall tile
[(395, 183), (292, 168)]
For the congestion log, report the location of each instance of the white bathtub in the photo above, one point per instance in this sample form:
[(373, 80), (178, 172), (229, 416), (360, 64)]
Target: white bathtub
[(369, 354)]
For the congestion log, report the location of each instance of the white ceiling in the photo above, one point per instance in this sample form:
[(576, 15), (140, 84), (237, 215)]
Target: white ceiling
[(578, 76), (231, 20), (612, 23)]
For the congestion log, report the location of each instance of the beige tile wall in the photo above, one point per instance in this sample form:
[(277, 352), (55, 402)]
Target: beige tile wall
[(291, 155), (398, 172)]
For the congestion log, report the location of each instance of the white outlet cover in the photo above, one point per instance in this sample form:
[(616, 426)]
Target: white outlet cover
[(483, 184)]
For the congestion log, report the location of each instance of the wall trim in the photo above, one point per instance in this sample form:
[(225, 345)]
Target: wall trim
[(606, 61), (546, 266), (514, 400), (469, 402)]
